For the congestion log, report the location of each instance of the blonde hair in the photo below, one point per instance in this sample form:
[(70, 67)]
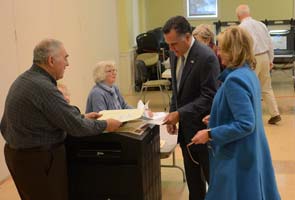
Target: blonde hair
[(237, 44), (99, 72), (205, 32)]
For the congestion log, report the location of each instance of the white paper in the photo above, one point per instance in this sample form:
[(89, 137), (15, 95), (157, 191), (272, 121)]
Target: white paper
[(144, 107), (121, 115), (158, 118)]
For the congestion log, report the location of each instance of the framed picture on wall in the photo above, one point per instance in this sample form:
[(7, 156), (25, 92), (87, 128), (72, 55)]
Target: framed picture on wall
[(201, 9)]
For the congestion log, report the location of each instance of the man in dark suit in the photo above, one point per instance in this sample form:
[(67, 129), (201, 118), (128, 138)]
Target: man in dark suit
[(194, 70)]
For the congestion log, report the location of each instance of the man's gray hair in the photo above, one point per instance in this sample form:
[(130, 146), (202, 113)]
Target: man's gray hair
[(99, 72), (44, 49), (243, 10)]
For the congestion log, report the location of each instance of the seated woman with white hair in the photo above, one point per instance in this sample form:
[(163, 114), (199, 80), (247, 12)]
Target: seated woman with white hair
[(105, 95)]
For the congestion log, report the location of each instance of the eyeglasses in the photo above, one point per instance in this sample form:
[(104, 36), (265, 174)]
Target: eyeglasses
[(111, 71), (190, 155)]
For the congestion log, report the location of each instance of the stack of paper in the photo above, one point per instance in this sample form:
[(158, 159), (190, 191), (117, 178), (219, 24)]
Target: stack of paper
[(135, 120), (121, 115), (136, 127), (157, 118)]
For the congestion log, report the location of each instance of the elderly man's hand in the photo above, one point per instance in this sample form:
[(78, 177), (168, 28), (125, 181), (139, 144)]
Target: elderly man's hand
[(172, 118), (93, 115), (113, 124)]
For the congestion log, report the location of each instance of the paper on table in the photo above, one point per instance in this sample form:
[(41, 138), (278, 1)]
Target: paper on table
[(157, 117), (121, 115), (141, 105), (136, 127), (144, 107)]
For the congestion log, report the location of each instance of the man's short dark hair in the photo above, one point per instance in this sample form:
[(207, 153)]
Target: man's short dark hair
[(179, 24)]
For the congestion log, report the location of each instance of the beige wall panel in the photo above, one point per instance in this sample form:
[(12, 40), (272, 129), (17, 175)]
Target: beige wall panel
[(87, 28)]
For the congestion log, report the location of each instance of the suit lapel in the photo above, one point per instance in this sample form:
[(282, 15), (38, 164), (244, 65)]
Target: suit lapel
[(173, 66), (173, 62), (189, 63)]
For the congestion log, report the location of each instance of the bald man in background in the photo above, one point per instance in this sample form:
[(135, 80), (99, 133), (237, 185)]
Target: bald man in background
[(264, 55)]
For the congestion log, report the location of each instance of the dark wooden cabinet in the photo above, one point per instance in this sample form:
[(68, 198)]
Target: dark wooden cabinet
[(115, 166)]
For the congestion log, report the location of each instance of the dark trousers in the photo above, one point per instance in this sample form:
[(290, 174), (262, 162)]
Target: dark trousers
[(196, 175), (38, 174)]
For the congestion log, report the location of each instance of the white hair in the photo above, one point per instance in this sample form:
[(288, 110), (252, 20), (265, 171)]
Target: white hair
[(44, 49), (243, 10), (99, 72)]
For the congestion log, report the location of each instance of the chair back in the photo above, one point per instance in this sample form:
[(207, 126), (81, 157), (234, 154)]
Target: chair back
[(147, 43), (158, 33)]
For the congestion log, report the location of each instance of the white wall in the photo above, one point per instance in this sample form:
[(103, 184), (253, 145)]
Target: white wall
[(8, 64), (87, 28)]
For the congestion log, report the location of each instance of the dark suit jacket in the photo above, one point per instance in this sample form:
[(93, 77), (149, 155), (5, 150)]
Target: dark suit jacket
[(197, 88)]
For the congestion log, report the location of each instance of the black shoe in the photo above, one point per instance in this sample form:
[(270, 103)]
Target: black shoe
[(275, 119)]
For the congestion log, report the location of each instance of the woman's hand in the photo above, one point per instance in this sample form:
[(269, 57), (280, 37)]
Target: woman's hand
[(201, 137), (206, 120)]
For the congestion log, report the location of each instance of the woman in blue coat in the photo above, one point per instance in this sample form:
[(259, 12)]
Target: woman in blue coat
[(240, 161)]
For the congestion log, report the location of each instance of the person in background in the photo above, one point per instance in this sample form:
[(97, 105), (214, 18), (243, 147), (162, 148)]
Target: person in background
[(105, 95), (194, 70), (65, 92), (240, 160), (35, 123), (204, 34), (264, 54)]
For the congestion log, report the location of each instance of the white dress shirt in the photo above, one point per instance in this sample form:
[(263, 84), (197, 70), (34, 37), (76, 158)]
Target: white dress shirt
[(260, 35)]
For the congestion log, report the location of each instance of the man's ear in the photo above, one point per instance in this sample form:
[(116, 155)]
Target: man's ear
[(50, 60), (188, 36)]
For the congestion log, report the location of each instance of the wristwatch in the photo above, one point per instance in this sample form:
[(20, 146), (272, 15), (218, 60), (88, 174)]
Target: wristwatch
[(209, 134)]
